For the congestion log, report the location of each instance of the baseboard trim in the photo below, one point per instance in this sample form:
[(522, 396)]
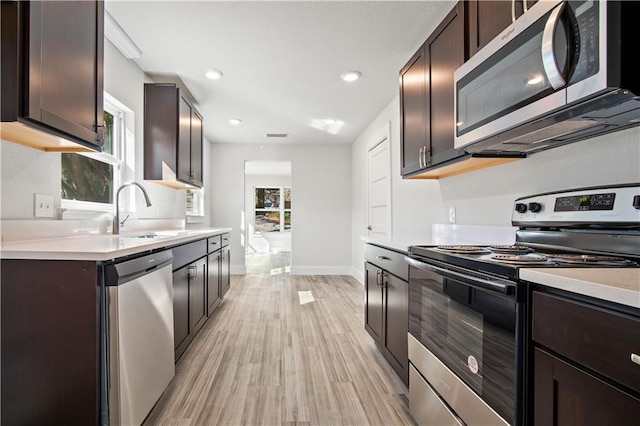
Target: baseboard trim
[(358, 275)]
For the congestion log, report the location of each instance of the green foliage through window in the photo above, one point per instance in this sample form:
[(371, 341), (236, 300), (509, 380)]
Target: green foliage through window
[(86, 179)]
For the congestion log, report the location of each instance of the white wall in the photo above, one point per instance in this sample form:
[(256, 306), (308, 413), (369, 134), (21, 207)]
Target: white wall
[(485, 197), (23, 173), (27, 171), (321, 181)]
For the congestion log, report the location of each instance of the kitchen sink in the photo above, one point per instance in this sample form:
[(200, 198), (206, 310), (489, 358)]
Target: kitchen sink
[(159, 234), (148, 235)]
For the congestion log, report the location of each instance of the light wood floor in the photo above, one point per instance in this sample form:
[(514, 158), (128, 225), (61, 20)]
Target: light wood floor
[(265, 358)]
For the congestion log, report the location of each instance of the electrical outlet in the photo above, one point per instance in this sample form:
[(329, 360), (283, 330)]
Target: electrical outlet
[(452, 215), (43, 205)]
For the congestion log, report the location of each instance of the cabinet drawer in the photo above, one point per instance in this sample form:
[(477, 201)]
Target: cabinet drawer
[(214, 243), (226, 239), (389, 260), (599, 339), (187, 253)]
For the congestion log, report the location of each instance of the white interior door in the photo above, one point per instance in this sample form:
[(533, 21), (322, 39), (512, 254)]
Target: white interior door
[(379, 186)]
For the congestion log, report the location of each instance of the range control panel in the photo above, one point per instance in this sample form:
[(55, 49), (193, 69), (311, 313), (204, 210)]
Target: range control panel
[(595, 205)]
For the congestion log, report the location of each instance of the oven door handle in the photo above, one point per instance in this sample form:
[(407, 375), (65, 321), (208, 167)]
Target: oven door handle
[(494, 286)]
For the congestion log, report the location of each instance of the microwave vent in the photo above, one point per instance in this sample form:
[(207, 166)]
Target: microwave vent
[(277, 135), (554, 131)]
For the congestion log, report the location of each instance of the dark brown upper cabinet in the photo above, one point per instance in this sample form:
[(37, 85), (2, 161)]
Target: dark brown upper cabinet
[(52, 74), (426, 97), (413, 112), (172, 137), (427, 87), (487, 18)]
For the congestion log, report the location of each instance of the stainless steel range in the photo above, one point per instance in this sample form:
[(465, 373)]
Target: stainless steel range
[(467, 304)]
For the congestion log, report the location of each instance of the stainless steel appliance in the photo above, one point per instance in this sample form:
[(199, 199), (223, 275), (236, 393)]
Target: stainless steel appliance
[(140, 360), (467, 304), (560, 73)]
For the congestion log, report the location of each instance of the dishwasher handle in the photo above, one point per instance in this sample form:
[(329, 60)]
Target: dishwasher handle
[(122, 272)]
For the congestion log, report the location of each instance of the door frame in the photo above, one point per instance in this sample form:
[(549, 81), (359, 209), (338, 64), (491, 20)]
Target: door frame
[(382, 136)]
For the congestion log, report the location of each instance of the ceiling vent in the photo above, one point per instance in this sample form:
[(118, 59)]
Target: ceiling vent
[(277, 135)]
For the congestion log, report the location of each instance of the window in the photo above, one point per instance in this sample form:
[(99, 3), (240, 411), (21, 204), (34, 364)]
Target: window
[(272, 209), (195, 202), (89, 180)]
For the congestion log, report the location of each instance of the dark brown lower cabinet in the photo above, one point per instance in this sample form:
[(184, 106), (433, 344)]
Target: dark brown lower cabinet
[(198, 294), (200, 279), (213, 281), (386, 314), (583, 368), (189, 303), (225, 267), (50, 342), (374, 308), (181, 323), (567, 395)]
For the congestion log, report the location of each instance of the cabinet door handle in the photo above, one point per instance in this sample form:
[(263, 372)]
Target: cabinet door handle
[(382, 258), (635, 358), (99, 134), (378, 278), (420, 158), (513, 10), (383, 278), (193, 275)]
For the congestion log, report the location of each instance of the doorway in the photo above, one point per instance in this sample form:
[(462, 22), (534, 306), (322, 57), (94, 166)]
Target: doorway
[(268, 216), (379, 185)]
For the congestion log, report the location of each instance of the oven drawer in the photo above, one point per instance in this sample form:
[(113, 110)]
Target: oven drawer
[(389, 260), (599, 339), (425, 405), (465, 402)]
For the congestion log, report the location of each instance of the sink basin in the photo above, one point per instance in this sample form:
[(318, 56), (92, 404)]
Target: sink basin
[(148, 235)]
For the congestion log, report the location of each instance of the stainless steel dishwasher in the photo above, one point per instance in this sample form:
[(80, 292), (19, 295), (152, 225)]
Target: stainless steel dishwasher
[(139, 360)]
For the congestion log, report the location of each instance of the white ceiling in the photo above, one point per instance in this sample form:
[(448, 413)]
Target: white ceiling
[(281, 60)]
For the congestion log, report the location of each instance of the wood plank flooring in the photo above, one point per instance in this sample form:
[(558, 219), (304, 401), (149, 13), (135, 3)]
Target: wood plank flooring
[(264, 358)]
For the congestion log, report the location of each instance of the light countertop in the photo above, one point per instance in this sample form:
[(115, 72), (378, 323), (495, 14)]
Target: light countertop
[(618, 285), (101, 247), (446, 234)]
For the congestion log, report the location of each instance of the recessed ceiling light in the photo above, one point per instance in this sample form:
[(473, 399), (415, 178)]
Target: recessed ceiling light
[(350, 76), (213, 74), (235, 121)]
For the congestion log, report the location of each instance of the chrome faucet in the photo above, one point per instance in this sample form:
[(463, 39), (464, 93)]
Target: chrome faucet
[(116, 218)]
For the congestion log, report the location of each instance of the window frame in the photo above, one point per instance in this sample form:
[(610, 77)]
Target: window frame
[(281, 210), (117, 159)]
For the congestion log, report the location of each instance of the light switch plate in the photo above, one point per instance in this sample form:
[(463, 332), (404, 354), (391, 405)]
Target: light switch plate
[(43, 205), (452, 215)]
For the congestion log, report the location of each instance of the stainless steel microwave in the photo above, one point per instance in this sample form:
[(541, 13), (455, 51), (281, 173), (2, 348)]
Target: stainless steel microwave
[(562, 72)]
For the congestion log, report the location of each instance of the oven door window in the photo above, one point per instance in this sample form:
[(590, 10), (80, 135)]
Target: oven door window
[(469, 330)]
